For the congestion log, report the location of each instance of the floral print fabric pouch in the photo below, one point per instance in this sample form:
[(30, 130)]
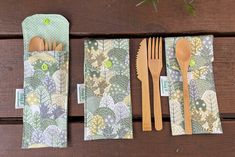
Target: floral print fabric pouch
[(45, 83), (203, 100), (107, 108)]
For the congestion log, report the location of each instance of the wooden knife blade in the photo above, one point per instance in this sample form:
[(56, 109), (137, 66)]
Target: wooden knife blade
[(142, 74), (59, 47)]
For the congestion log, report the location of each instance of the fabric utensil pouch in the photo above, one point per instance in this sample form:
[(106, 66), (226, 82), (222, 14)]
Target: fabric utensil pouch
[(203, 101), (107, 108), (45, 83)]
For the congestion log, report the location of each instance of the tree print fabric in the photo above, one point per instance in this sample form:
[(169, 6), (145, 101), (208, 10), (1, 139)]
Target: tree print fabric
[(203, 100), (45, 84), (45, 90), (107, 110)]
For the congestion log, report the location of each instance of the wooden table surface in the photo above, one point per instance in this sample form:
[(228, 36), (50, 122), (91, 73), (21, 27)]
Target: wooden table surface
[(120, 19)]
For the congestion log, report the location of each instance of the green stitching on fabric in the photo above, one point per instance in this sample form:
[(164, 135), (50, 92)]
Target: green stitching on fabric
[(46, 21)]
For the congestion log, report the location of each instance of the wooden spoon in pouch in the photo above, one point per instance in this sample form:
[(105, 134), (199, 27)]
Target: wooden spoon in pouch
[(36, 44), (183, 55)]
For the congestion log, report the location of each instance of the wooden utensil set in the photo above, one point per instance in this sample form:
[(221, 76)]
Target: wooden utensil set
[(149, 56), (39, 44)]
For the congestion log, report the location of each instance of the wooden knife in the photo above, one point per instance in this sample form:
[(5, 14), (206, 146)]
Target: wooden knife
[(142, 74)]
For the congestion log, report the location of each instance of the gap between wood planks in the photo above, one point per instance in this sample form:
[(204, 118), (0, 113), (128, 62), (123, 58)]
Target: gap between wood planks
[(130, 35), (80, 119)]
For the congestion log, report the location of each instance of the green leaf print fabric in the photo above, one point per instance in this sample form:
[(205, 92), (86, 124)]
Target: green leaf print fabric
[(45, 84), (203, 100), (107, 109)]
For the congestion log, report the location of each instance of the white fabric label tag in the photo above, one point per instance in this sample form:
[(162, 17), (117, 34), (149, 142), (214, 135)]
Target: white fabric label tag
[(164, 85), (19, 99), (81, 93)]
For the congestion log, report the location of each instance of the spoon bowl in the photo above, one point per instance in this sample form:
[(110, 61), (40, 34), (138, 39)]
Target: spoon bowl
[(36, 44), (183, 51)]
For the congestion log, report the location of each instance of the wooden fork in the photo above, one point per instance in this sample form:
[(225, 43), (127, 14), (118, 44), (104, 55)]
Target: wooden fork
[(155, 67), (51, 45)]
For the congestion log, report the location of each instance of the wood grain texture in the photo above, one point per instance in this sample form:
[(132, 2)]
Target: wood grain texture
[(142, 74), (92, 17), (183, 56), (149, 144), (155, 64), (11, 76)]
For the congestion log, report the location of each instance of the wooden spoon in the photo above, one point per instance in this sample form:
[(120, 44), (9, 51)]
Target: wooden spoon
[(183, 55), (36, 44)]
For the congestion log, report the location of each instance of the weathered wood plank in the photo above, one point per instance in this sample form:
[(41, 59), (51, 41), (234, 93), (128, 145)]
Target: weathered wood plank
[(149, 144), (11, 76), (123, 17)]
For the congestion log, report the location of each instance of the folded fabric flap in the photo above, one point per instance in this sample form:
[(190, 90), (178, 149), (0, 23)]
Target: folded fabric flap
[(45, 90), (107, 86), (52, 27), (203, 100)]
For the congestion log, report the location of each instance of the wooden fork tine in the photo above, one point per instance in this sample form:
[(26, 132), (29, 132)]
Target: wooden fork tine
[(160, 49), (54, 45), (156, 48), (49, 45), (149, 48), (153, 48), (148, 52)]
